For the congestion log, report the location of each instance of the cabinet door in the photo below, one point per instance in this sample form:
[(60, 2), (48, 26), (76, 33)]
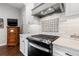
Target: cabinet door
[(72, 9), (26, 47), (59, 50), (67, 9), (22, 45), (12, 36)]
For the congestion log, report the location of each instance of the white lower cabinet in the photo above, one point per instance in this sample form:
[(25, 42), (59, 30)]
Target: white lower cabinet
[(64, 51), (58, 51), (24, 46)]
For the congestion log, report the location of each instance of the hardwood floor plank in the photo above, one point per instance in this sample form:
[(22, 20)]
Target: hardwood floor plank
[(10, 51)]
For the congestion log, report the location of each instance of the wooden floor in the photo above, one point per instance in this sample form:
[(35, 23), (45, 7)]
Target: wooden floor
[(10, 51)]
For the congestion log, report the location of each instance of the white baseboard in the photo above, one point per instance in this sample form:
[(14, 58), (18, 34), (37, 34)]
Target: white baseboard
[(3, 44)]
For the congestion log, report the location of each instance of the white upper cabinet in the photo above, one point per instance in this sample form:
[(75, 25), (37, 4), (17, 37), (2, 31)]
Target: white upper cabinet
[(71, 9)]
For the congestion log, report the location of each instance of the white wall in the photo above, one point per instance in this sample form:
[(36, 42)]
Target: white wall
[(53, 16), (28, 19), (70, 26), (67, 25), (7, 11)]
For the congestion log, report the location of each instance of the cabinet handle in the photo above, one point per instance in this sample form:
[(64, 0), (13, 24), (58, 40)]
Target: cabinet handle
[(68, 54)]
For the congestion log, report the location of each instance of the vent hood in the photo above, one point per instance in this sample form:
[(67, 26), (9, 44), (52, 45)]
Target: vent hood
[(45, 9)]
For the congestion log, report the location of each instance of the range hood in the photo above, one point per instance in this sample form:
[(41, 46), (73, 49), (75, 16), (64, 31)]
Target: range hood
[(48, 8)]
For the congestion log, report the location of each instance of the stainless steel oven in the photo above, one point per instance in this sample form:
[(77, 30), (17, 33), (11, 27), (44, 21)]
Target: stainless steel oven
[(41, 45)]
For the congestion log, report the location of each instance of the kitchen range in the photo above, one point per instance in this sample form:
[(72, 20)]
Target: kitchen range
[(41, 45)]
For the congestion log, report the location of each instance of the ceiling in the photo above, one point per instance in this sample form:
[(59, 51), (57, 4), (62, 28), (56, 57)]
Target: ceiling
[(17, 5)]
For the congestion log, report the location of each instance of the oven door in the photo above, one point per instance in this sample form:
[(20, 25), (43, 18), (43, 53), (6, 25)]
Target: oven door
[(37, 50)]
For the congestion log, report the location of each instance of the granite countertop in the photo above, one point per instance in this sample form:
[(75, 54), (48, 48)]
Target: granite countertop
[(67, 42)]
